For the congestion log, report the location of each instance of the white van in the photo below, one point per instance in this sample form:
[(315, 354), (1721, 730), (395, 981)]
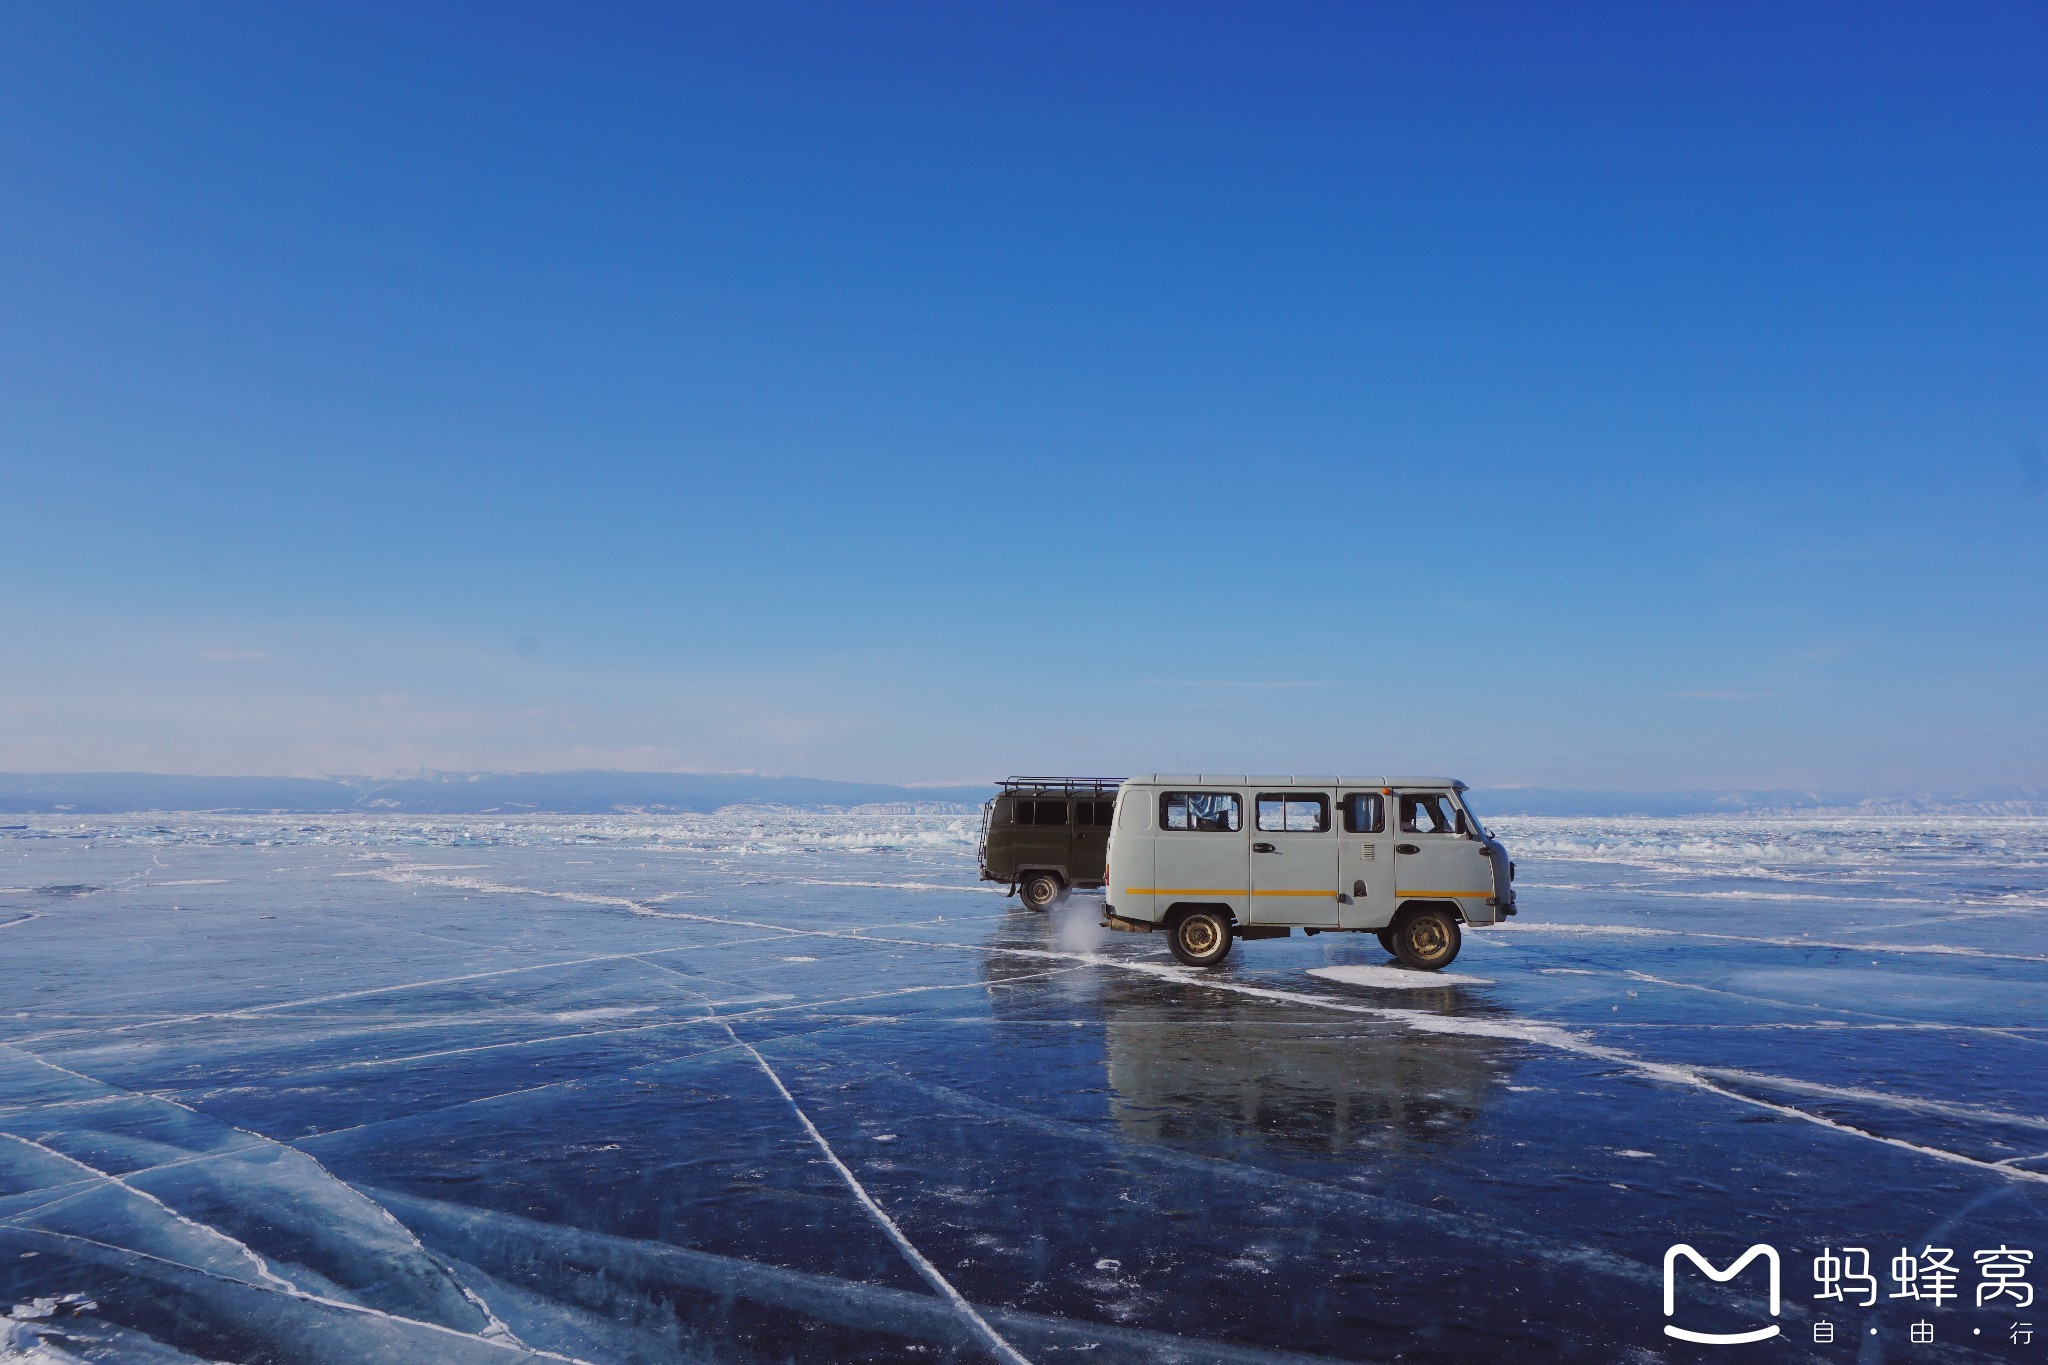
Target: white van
[(1211, 858)]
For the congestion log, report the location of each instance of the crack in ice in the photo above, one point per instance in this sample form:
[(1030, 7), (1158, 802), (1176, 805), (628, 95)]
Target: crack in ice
[(204, 1229), (496, 1343), (1002, 1348), (496, 1326)]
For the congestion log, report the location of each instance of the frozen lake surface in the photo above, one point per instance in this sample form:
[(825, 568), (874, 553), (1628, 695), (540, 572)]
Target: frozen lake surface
[(767, 1086)]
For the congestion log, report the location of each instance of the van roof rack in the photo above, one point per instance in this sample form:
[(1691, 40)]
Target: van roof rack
[(1093, 786)]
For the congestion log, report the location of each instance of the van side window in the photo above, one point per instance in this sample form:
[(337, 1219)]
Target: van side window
[(1093, 814), (1041, 812), (1293, 812), (1429, 813), (1365, 813), (1216, 812)]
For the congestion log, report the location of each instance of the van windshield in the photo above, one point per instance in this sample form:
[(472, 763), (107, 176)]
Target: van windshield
[(1472, 817)]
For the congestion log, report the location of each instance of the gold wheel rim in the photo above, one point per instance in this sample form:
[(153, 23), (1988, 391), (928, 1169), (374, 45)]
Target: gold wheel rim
[(1427, 937), (1199, 936)]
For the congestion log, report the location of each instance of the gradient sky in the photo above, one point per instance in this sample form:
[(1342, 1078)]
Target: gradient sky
[(1621, 395)]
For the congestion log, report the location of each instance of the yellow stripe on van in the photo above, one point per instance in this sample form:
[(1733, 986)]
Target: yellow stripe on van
[(1215, 891), (1241, 891)]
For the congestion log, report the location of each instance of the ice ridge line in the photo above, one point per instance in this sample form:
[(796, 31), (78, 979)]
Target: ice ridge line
[(495, 1327), (497, 1343), (800, 1006), (1892, 1020), (85, 1187), (681, 1059), (1645, 931), (1947, 1108), (263, 1269), (1003, 1349), (244, 1011)]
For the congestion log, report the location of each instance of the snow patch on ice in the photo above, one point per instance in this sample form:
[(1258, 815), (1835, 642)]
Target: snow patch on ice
[(1395, 978)]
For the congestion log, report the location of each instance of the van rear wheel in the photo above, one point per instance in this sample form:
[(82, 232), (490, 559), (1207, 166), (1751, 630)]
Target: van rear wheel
[(1427, 939), (1040, 890), (1201, 938), (1386, 938)]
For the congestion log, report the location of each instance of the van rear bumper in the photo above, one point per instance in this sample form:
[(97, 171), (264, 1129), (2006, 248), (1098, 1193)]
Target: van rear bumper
[(1112, 920)]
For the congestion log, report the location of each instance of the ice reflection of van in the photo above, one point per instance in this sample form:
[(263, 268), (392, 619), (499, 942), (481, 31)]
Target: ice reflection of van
[(1210, 859), (1289, 1084)]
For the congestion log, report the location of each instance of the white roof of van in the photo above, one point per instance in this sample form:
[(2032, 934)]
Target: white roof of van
[(1294, 780)]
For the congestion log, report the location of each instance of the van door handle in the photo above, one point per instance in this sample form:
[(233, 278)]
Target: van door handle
[(1407, 848), (1264, 848)]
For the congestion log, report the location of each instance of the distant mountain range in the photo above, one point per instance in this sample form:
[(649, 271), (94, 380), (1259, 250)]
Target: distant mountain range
[(596, 792), (588, 792), (1551, 801)]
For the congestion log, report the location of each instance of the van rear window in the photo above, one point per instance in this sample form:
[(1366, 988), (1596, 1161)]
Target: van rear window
[(1094, 814), (1214, 812)]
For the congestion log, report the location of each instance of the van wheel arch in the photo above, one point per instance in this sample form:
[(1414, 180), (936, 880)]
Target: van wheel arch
[(1451, 908), (1179, 908)]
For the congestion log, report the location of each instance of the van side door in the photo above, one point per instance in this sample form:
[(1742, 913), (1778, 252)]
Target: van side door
[(1294, 859), (1365, 861), (1435, 856), (1091, 839), (1199, 853)]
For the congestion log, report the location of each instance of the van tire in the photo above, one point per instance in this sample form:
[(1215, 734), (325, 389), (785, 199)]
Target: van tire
[(1386, 938), (1426, 938), (1040, 890), (1201, 937)]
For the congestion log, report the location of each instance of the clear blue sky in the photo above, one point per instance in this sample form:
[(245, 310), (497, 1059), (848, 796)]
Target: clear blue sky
[(1605, 395)]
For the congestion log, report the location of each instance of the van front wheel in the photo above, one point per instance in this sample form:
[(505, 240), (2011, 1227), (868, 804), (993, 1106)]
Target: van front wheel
[(1201, 938), (1040, 890), (1427, 939)]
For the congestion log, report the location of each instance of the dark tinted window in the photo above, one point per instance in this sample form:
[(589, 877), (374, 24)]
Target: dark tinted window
[(1214, 812), (1039, 811), (1365, 813), (1293, 812), (1093, 813)]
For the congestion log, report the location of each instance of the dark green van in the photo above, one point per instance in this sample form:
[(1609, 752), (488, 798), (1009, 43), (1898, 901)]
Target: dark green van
[(1047, 835)]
